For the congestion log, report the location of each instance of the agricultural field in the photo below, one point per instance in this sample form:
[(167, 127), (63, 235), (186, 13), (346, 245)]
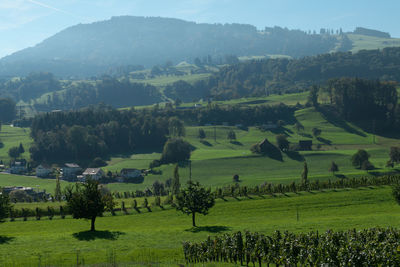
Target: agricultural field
[(155, 239), (364, 42), (11, 137)]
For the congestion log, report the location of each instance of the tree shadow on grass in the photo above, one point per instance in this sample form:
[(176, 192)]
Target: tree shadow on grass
[(206, 143), (332, 117), (210, 229), (236, 143), (92, 235), (325, 141), (6, 239), (294, 155)]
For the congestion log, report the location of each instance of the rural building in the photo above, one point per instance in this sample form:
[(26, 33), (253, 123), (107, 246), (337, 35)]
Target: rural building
[(70, 170), (131, 173), (94, 173), (305, 145), (269, 126), (18, 167), (43, 171), (29, 190)]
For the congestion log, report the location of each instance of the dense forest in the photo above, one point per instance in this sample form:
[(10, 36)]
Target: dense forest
[(260, 78), (98, 47), (68, 95)]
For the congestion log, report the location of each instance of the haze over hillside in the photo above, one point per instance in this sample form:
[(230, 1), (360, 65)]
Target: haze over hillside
[(91, 49)]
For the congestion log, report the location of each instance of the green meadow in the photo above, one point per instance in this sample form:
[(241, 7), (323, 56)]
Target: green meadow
[(215, 160), (155, 238)]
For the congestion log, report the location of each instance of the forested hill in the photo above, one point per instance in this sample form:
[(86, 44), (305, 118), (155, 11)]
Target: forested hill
[(91, 49), (257, 78)]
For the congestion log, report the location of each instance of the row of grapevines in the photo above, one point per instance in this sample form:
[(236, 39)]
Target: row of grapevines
[(370, 247)]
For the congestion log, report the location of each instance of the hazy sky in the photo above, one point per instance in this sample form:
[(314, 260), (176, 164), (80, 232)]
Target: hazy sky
[(25, 23)]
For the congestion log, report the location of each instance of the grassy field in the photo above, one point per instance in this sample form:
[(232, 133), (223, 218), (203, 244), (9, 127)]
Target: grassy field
[(361, 42), (214, 162), (151, 238), (13, 136)]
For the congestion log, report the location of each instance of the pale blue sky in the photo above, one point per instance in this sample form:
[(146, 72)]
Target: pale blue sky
[(25, 23)]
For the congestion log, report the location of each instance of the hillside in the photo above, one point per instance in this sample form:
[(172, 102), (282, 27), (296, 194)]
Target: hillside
[(91, 49)]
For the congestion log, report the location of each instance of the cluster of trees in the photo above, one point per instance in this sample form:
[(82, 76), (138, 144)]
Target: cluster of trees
[(369, 247), (94, 132), (364, 100)]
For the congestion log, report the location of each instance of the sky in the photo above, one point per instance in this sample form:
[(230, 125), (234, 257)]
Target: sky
[(25, 23)]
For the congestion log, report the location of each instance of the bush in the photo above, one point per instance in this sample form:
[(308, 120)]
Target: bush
[(176, 150), (235, 178), (367, 165), (98, 162)]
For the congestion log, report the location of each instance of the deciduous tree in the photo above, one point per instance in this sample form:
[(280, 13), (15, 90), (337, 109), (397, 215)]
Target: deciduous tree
[(194, 199), (359, 157), (5, 206), (87, 201)]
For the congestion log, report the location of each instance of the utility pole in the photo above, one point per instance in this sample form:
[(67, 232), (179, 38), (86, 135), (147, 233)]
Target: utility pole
[(215, 133), (190, 170), (373, 131)]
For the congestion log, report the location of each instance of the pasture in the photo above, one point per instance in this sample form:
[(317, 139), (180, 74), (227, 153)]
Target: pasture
[(153, 238)]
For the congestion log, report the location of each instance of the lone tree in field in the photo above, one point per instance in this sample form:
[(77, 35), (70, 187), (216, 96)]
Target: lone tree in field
[(194, 199), (21, 148), (334, 168), (298, 126), (202, 133), (176, 184), (304, 174), (394, 155), (316, 132), (396, 192), (13, 152), (5, 206), (282, 142), (175, 150), (87, 201), (231, 135), (359, 157)]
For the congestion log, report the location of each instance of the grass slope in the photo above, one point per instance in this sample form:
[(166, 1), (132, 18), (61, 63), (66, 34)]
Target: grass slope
[(215, 162), (156, 237)]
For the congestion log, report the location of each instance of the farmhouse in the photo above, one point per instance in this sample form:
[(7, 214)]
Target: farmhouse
[(94, 173), (131, 173), (43, 171), (18, 167), (69, 171)]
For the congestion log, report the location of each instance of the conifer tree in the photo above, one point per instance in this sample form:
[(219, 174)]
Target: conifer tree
[(176, 185)]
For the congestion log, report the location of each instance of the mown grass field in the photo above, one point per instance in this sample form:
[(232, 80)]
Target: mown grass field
[(152, 238), (13, 136), (361, 42)]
